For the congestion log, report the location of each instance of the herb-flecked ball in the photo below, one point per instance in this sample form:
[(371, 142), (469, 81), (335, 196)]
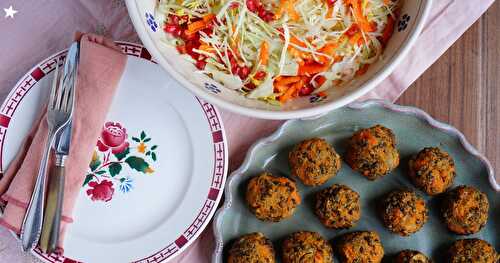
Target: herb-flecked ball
[(363, 246), (472, 250), (272, 198), (314, 161), (465, 210), (306, 247), (338, 206), (403, 212), (432, 170), (411, 256), (252, 248), (372, 152)]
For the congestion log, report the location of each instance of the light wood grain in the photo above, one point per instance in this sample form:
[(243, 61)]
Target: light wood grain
[(463, 87)]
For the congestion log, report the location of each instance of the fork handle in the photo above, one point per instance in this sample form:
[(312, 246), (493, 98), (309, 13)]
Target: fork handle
[(53, 209), (32, 223)]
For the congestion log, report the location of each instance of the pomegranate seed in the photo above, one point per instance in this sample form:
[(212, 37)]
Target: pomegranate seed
[(174, 19), (331, 2), (183, 19), (177, 32), (306, 90), (200, 64), (188, 37), (251, 6), (234, 69), (244, 71), (169, 28), (234, 5), (258, 4), (181, 49), (208, 31), (259, 75), (250, 86), (268, 16), (232, 60), (262, 13), (209, 26), (190, 45)]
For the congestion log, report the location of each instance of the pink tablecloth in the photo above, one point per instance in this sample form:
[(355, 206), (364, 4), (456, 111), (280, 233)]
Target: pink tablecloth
[(41, 28)]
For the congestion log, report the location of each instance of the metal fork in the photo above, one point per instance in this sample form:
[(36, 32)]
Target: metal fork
[(59, 110)]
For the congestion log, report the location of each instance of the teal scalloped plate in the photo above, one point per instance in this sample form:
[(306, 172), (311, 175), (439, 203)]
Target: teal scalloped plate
[(414, 130)]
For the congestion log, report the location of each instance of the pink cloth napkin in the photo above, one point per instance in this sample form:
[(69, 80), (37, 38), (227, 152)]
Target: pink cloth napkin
[(41, 28), (100, 69)]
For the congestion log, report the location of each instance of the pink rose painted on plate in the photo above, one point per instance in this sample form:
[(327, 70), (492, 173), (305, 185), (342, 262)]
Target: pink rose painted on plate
[(102, 191), (114, 152), (113, 136)]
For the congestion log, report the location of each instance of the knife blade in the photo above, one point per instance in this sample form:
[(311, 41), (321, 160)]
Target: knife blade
[(61, 146)]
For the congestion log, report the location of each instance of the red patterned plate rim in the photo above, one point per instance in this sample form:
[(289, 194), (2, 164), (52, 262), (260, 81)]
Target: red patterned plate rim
[(219, 173)]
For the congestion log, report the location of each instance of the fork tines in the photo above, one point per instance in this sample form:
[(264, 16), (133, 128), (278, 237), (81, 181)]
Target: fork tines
[(61, 94)]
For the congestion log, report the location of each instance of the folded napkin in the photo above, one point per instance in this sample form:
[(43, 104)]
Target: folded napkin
[(101, 66)]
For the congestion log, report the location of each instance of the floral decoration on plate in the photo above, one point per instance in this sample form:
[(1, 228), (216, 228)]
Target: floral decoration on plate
[(113, 154)]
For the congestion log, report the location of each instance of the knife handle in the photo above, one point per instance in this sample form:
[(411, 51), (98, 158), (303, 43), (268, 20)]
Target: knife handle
[(53, 210), (32, 222)]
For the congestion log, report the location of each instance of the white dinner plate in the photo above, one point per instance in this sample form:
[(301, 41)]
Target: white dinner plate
[(146, 204)]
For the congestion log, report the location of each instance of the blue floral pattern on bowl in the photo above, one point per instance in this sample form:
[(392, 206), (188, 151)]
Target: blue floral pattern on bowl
[(317, 98), (150, 19), (403, 22), (212, 88)]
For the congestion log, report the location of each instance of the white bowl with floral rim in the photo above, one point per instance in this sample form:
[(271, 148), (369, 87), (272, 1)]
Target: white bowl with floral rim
[(148, 26)]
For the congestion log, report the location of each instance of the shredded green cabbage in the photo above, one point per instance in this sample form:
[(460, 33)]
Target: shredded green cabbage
[(241, 32)]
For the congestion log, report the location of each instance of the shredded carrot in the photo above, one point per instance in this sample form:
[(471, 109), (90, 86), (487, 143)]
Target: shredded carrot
[(328, 49), (356, 39), (264, 53), (208, 18), (287, 6), (292, 13), (286, 80), (298, 53), (360, 18), (195, 27), (329, 12), (200, 24), (320, 80), (292, 91), (206, 48), (289, 86), (297, 41), (312, 68), (280, 88)]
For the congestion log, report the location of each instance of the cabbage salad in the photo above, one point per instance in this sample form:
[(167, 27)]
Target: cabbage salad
[(277, 50)]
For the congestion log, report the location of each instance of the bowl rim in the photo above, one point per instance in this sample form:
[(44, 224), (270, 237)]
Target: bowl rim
[(404, 110), (365, 87)]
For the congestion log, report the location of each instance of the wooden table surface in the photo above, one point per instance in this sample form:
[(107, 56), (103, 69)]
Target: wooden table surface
[(463, 87)]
